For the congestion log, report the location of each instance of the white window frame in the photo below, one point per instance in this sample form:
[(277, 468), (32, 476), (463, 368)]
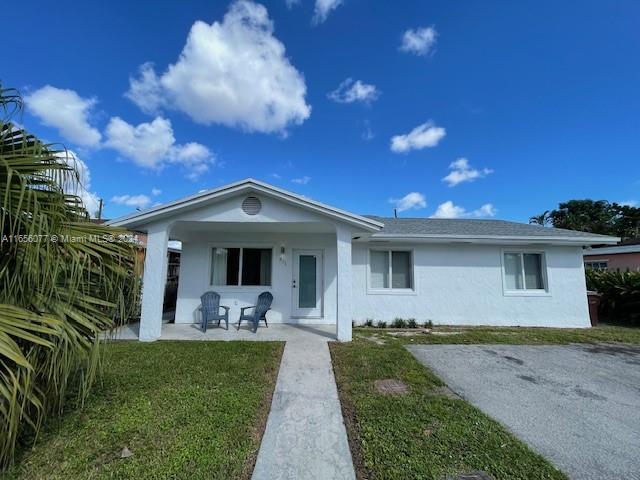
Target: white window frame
[(524, 292), (390, 290), (241, 246)]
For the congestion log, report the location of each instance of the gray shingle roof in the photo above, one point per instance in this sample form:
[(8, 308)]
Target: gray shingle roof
[(474, 228)]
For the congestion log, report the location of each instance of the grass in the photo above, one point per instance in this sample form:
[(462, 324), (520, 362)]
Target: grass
[(428, 433), (513, 335), (185, 409)]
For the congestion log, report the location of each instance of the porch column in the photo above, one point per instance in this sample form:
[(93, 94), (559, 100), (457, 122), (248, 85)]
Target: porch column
[(344, 281), (153, 282)]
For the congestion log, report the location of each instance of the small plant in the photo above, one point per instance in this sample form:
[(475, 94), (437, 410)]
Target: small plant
[(382, 324), (398, 323), (428, 324), (411, 323), (368, 322)]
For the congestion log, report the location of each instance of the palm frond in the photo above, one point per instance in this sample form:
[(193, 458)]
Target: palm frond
[(56, 298)]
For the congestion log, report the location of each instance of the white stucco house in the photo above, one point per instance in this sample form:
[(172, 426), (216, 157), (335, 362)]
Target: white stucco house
[(324, 265)]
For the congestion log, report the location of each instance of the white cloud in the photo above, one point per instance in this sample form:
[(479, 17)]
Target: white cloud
[(291, 3), (302, 180), (419, 41), (629, 203), (462, 172), (423, 136), (234, 73), (349, 92), (65, 111), (80, 186), (134, 201), (145, 91), (323, 8), (152, 145), (486, 210), (155, 191), (449, 210), (411, 201)]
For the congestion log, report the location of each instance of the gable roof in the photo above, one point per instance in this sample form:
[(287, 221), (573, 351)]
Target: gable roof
[(472, 229), (248, 185)]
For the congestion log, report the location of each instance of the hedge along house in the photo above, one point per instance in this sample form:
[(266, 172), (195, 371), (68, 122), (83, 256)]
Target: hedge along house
[(328, 266)]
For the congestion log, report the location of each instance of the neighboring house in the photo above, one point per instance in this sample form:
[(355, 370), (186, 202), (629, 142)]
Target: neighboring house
[(624, 257), (326, 265)]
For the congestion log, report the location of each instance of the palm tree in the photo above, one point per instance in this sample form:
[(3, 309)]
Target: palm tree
[(56, 297), (542, 219)]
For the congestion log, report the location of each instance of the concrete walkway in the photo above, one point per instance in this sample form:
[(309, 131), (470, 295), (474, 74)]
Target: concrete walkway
[(305, 435)]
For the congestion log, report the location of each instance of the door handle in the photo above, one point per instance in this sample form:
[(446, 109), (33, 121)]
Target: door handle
[(294, 284)]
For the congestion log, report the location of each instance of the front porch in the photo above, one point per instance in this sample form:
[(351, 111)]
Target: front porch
[(306, 266), (283, 332)]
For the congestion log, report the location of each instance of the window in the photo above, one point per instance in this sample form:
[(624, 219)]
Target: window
[(599, 266), (524, 271), (240, 266), (390, 269)]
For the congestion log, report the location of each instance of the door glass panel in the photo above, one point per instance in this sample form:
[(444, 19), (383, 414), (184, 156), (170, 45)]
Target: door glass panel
[(307, 282)]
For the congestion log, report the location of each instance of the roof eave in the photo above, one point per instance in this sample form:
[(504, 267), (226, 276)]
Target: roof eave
[(494, 239)]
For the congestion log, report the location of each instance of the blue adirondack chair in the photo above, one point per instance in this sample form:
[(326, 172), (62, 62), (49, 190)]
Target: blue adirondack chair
[(260, 310), (211, 310)]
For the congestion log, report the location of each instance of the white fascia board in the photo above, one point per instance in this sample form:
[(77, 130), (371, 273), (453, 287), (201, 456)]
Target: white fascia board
[(490, 239)]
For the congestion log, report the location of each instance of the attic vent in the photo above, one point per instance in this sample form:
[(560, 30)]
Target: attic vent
[(251, 205)]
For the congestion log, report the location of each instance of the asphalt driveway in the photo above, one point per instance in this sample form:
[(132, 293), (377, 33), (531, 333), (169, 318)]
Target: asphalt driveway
[(577, 405)]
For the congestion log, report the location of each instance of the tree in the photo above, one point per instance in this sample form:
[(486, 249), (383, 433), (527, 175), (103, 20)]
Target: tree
[(595, 216), (628, 222), (56, 297)]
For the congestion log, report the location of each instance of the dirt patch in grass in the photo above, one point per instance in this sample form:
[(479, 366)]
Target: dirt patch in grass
[(391, 386)]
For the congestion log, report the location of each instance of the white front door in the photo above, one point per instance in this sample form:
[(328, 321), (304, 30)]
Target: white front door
[(307, 283)]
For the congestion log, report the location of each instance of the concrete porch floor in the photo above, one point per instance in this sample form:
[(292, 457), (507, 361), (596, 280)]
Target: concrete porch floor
[(275, 332)]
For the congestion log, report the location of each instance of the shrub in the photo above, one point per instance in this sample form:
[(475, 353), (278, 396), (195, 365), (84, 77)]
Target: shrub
[(411, 323), (620, 295), (368, 322), (382, 324), (398, 323), (428, 324)]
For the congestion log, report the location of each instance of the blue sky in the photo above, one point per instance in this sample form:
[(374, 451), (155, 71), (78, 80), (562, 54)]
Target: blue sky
[(519, 105)]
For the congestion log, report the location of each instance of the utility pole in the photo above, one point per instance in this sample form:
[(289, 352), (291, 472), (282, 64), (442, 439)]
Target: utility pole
[(100, 210)]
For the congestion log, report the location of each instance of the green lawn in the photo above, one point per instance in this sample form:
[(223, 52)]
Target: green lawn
[(185, 409), (426, 434), (510, 335)]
